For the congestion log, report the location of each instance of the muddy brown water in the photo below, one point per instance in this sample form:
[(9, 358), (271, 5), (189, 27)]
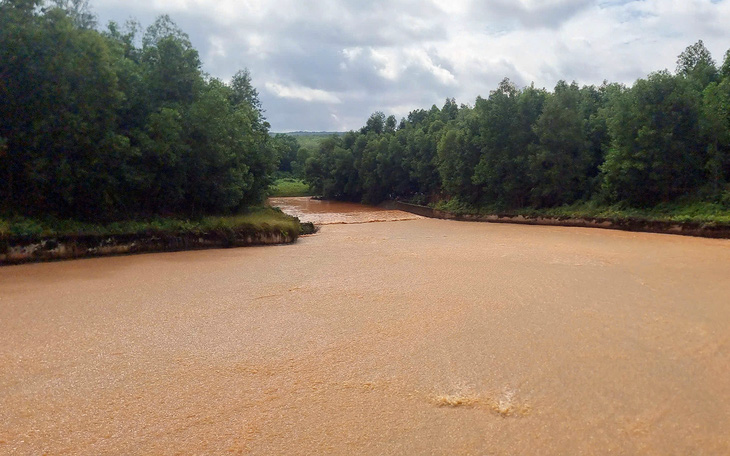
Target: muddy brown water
[(409, 337), (323, 212)]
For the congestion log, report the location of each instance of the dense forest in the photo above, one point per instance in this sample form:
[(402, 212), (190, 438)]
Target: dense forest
[(665, 139), (121, 123)]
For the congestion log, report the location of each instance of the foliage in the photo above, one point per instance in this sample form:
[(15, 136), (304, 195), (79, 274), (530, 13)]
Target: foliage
[(656, 154), (312, 139), (664, 141), (290, 155), (262, 219), (113, 125), (696, 63), (109, 125), (681, 212), (561, 163), (505, 135)]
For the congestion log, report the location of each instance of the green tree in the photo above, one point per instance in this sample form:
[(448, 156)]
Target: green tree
[(421, 158), (715, 125), (244, 91), (454, 167), (560, 159), (159, 178), (96, 127), (375, 124), (696, 63), (79, 11), (450, 110), (171, 65), (656, 153), (390, 124), (286, 148), (725, 69), (59, 104), (505, 135)]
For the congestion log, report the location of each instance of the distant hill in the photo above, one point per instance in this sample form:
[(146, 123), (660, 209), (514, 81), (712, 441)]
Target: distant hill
[(315, 133)]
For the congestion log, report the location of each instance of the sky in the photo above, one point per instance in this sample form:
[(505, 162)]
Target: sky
[(326, 65)]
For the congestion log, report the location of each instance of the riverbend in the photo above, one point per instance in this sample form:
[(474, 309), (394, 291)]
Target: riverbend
[(416, 336)]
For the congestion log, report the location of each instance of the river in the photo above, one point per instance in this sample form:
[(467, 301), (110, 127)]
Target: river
[(414, 336), (325, 212)]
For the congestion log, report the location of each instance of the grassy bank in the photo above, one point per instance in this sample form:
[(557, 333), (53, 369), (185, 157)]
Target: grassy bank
[(290, 187), (25, 240), (265, 219), (695, 212), (692, 213)]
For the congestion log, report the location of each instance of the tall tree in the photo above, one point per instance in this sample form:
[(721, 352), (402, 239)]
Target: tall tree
[(171, 65), (94, 126), (79, 11), (560, 159), (697, 64), (506, 119), (715, 125), (375, 123), (244, 91), (656, 153)]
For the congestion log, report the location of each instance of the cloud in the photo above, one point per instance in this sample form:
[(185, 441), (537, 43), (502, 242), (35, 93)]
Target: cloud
[(301, 93), (327, 65), (534, 13)]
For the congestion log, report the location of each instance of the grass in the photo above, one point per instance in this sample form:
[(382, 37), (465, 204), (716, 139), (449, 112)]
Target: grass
[(290, 187), (690, 212), (262, 219)]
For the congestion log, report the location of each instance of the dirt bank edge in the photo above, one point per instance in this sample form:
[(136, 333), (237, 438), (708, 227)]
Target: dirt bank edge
[(707, 230), (27, 250)]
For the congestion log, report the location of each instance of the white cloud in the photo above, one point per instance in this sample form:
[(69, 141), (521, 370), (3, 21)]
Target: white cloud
[(217, 48), (392, 55), (393, 64), (302, 93)]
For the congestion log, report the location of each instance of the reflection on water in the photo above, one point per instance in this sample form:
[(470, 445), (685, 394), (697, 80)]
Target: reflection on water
[(322, 212)]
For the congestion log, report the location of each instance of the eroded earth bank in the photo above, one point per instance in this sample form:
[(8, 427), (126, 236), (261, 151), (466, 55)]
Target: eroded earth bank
[(416, 336)]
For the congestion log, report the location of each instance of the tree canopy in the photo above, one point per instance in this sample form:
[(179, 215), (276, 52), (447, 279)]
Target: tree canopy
[(123, 122), (664, 138), (110, 124)]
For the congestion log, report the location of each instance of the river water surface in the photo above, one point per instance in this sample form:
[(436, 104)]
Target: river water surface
[(324, 212), (411, 337)]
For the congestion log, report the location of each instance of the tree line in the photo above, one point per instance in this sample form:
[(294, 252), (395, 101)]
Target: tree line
[(121, 122), (663, 139)]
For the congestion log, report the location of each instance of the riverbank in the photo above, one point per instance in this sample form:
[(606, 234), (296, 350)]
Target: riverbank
[(704, 223), (25, 240)]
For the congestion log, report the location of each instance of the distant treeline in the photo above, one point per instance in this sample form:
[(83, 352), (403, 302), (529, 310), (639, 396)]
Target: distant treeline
[(665, 138), (120, 123), (314, 133)]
